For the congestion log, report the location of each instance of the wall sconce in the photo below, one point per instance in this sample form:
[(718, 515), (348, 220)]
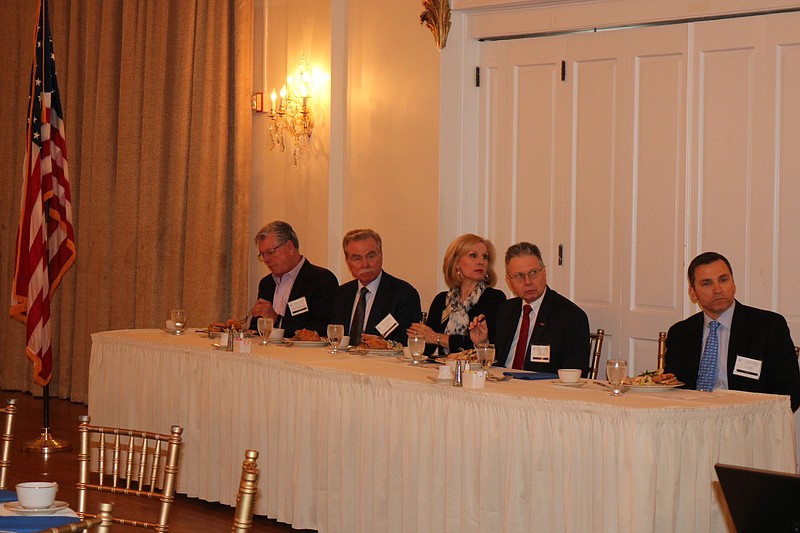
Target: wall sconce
[(290, 114)]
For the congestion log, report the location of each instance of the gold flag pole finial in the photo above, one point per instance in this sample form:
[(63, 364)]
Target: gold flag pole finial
[(437, 17)]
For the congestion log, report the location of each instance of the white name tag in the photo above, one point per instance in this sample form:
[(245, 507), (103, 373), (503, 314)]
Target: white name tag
[(747, 368), (540, 354), (387, 325), (299, 306)]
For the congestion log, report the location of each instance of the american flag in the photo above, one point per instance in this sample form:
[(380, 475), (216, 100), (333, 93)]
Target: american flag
[(46, 240)]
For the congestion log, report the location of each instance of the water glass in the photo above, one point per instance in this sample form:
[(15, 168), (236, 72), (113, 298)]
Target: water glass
[(264, 329), (178, 317), (335, 334), (416, 345), (616, 372), (485, 354)]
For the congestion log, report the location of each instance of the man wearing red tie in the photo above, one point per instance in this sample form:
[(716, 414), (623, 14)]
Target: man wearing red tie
[(539, 330)]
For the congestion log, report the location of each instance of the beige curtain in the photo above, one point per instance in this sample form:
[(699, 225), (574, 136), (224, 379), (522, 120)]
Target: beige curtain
[(155, 96)]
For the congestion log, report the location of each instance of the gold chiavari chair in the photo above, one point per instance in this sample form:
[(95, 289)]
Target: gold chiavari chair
[(246, 498), (6, 438), (662, 349), (101, 524), (150, 470), (596, 341)]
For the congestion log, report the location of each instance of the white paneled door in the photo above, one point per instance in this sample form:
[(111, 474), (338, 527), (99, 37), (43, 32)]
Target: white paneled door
[(623, 154)]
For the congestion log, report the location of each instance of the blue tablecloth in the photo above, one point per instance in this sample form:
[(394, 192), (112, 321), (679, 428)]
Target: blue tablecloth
[(29, 524), (8, 496)]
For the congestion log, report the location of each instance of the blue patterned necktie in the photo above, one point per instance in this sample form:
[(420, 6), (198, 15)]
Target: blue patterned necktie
[(707, 375)]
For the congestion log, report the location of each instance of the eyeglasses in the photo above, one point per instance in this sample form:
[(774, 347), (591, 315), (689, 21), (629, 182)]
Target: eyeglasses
[(520, 276), (262, 256)]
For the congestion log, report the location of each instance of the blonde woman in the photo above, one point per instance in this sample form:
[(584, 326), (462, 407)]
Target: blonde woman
[(468, 268)]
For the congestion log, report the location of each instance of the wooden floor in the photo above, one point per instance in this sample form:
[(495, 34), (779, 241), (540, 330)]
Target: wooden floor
[(187, 515)]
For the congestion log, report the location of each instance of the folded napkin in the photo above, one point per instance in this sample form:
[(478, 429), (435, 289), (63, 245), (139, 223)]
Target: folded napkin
[(8, 496), (30, 524), (531, 375)]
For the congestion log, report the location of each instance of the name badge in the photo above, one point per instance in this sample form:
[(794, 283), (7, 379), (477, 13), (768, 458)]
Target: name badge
[(387, 325), (747, 367), (540, 354), (299, 306)]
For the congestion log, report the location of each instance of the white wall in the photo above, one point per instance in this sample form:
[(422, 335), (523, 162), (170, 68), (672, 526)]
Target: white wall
[(380, 113)]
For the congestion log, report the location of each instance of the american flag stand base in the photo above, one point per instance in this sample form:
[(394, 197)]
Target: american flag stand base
[(46, 443)]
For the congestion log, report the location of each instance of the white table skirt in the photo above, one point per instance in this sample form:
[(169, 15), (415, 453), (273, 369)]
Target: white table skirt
[(364, 444)]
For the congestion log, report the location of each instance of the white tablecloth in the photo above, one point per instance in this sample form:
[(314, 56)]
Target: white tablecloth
[(366, 444)]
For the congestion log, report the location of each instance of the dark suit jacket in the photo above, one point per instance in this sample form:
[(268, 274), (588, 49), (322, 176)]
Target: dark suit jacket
[(487, 305), (560, 324), (756, 334), (394, 296), (318, 285)]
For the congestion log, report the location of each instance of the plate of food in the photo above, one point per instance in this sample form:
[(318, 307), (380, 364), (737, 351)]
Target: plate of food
[(376, 345), (652, 381), (307, 337)]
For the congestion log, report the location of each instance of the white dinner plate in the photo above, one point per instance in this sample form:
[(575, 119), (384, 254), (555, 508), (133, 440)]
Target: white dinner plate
[(653, 388), (15, 507), (562, 384), (310, 343), (385, 351)]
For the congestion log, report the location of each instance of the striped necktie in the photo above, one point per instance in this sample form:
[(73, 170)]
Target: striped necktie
[(357, 328)]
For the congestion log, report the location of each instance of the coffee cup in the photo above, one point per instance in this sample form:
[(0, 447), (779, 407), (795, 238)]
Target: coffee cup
[(277, 334), (569, 375), (345, 342), (37, 494), (444, 373)]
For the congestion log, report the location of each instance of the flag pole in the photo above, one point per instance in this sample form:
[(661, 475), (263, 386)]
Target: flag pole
[(46, 443)]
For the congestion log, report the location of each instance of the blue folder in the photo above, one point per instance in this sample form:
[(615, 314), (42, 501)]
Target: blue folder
[(531, 375)]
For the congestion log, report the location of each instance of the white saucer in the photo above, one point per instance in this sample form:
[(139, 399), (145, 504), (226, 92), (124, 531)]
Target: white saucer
[(445, 381), (175, 332), (15, 507), (562, 384)]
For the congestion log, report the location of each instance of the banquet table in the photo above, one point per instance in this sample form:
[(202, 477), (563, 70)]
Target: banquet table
[(369, 443)]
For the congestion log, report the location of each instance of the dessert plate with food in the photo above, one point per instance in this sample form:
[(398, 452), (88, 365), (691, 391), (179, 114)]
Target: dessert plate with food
[(652, 381)]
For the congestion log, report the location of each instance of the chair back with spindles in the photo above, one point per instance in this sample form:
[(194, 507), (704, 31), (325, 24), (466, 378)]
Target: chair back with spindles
[(6, 438), (101, 524), (662, 349), (248, 489), (129, 462), (596, 341)]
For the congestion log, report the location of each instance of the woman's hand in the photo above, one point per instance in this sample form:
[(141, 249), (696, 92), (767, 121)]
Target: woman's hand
[(419, 328), (478, 330)]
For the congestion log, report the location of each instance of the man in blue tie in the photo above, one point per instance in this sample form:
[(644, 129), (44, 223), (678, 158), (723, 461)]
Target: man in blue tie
[(729, 345)]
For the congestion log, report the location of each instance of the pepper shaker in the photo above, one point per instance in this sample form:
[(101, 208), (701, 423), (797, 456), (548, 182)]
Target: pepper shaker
[(231, 333), (458, 380)]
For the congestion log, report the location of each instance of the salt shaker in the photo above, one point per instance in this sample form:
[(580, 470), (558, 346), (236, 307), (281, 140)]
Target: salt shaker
[(458, 380)]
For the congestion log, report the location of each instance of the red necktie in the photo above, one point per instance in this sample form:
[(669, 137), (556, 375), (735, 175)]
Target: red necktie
[(522, 343)]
